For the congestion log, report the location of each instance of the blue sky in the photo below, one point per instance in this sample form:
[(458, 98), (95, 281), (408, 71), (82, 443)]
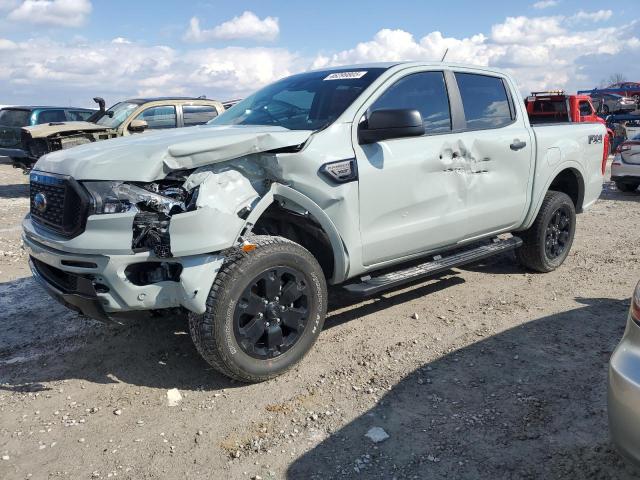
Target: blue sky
[(54, 51)]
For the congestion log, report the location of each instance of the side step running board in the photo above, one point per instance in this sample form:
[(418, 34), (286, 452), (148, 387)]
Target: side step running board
[(371, 285)]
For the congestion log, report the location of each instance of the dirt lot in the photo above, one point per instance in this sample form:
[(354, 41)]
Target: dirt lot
[(501, 375)]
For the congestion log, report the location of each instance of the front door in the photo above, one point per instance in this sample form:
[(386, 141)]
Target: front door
[(410, 201)]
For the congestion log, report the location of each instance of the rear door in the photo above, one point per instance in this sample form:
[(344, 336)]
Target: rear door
[(494, 154)]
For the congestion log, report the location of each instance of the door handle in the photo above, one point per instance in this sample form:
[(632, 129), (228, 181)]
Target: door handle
[(517, 145)]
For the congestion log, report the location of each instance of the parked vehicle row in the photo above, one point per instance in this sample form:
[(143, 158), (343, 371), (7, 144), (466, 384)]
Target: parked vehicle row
[(48, 130), (625, 89)]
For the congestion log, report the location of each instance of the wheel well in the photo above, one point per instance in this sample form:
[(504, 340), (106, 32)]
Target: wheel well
[(570, 181), (299, 228)]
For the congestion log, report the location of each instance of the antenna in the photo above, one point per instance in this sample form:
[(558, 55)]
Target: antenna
[(445, 55)]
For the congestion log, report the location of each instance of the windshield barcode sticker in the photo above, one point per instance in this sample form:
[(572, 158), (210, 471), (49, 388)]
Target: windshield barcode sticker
[(345, 75)]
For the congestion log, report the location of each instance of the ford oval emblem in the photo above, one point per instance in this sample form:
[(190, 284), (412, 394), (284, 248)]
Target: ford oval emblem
[(40, 202)]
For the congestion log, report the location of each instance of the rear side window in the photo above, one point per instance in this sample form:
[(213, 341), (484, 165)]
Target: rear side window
[(425, 92), (159, 117), (15, 118), (48, 116), (485, 101), (198, 114), (78, 115)]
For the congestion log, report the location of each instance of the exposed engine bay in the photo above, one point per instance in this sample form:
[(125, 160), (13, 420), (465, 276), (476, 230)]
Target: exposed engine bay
[(224, 189), (37, 147)]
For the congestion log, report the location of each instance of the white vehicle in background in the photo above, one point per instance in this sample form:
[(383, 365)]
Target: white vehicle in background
[(369, 176), (625, 169)]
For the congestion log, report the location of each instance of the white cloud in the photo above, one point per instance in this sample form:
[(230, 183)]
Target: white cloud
[(599, 16), (8, 4), (246, 26), (541, 52), (61, 13), (542, 4), (122, 68)]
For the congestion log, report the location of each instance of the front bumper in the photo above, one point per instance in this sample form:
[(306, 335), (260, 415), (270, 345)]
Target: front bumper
[(624, 393), (97, 286)]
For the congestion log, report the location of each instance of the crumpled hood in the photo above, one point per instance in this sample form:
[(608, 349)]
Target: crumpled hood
[(46, 129), (150, 156)]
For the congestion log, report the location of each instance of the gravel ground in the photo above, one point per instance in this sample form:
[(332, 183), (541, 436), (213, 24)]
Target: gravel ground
[(486, 372)]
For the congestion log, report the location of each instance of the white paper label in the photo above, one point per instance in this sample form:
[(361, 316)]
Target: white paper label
[(346, 75)]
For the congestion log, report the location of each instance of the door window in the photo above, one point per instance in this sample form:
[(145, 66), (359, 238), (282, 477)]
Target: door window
[(425, 92), (485, 101), (163, 116), (585, 108), (198, 114)]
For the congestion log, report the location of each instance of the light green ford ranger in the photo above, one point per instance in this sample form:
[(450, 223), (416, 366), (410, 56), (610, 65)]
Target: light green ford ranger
[(368, 177)]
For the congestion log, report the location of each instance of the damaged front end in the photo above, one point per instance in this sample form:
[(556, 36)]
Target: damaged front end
[(153, 204), (207, 204)]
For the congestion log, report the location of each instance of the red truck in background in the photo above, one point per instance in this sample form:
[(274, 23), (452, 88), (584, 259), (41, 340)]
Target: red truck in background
[(558, 107)]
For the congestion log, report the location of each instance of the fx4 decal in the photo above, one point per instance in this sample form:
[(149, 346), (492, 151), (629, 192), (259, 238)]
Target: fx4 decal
[(595, 139)]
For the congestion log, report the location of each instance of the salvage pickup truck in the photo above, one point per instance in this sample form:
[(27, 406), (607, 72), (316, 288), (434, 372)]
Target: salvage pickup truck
[(369, 177)]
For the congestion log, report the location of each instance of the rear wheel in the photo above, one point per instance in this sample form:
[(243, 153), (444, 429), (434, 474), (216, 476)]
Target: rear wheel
[(627, 186), (264, 312), (547, 242)]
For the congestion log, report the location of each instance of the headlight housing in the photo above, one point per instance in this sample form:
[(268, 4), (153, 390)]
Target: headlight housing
[(120, 197)]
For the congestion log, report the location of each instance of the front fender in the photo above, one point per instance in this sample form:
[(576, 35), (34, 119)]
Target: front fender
[(290, 199)]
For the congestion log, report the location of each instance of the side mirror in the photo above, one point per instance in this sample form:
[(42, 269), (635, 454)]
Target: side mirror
[(388, 124), (137, 126)]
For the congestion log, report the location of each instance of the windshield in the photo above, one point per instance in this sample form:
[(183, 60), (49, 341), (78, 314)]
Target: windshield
[(15, 118), (117, 114), (309, 101)]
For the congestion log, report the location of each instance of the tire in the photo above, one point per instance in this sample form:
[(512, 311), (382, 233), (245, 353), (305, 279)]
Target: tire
[(538, 252), (627, 187), (224, 335)]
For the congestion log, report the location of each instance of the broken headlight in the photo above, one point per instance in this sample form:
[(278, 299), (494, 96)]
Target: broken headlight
[(121, 197), (153, 204)]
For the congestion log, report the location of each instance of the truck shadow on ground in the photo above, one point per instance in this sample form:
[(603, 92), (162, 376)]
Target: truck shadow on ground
[(529, 402), (611, 192), (42, 342)]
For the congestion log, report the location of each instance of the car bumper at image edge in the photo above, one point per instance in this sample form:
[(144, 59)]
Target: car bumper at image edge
[(624, 394)]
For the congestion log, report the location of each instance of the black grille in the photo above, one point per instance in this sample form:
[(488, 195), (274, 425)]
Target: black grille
[(58, 203)]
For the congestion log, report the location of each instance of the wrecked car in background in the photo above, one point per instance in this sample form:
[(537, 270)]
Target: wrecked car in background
[(14, 118), (124, 118), (337, 176)]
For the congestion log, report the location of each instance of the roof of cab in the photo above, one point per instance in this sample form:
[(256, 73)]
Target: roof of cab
[(162, 99), (44, 107)]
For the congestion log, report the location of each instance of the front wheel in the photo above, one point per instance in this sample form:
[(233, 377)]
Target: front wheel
[(547, 242), (265, 311)]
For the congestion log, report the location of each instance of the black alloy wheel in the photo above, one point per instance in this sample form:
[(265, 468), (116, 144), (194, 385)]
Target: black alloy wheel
[(558, 233), (272, 313)]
